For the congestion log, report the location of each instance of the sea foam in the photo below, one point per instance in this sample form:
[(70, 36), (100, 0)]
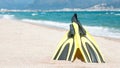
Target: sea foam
[(94, 30), (48, 23), (7, 16), (117, 14)]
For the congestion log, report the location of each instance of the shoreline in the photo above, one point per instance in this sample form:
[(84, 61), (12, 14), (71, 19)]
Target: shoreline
[(62, 29), (44, 25)]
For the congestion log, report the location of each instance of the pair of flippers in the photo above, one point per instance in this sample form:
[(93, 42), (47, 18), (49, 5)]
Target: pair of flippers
[(78, 43)]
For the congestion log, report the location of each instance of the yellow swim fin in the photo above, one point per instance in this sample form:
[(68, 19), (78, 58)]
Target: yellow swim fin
[(89, 47), (78, 43)]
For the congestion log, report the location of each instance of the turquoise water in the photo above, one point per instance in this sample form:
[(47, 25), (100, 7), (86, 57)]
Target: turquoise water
[(100, 23)]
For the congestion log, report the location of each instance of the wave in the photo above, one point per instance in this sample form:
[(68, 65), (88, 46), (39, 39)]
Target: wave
[(34, 14), (94, 30), (103, 31), (79, 9), (7, 16), (48, 23), (117, 14), (64, 9), (110, 13), (59, 10)]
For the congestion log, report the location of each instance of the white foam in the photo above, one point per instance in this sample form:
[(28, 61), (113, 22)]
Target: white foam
[(117, 14), (7, 16), (34, 14), (79, 9), (48, 23), (94, 30), (64, 9), (103, 31)]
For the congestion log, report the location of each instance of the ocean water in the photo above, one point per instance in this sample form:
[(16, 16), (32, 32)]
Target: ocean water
[(99, 23)]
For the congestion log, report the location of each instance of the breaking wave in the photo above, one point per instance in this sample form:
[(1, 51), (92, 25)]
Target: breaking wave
[(7, 16), (94, 30)]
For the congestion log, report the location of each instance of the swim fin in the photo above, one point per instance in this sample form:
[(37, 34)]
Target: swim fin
[(78, 43), (89, 47), (65, 46)]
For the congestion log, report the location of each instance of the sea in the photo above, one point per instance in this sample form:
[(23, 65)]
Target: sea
[(98, 23)]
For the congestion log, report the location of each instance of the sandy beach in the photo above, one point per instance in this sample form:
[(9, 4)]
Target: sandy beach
[(26, 45)]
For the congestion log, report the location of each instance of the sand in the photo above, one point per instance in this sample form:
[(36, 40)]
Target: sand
[(26, 45)]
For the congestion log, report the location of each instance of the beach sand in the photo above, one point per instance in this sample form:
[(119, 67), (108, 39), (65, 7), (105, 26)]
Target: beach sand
[(26, 45)]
